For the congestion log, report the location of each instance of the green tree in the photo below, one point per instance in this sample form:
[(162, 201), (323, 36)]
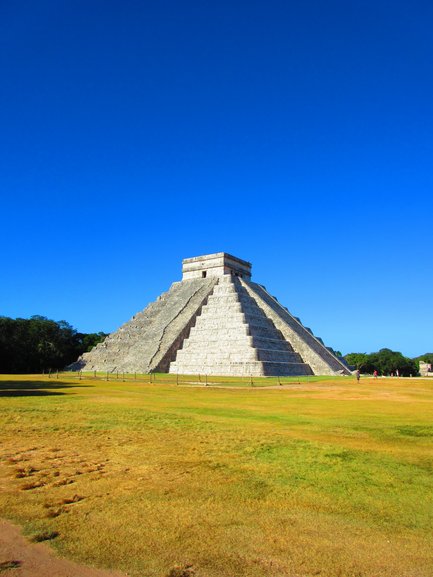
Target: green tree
[(357, 360), (426, 358), (89, 340), (387, 362), (37, 344)]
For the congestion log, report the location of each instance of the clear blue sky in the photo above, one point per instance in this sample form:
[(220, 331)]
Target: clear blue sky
[(294, 134)]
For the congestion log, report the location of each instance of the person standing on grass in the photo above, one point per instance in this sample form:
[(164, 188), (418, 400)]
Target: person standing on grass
[(357, 375), (375, 374)]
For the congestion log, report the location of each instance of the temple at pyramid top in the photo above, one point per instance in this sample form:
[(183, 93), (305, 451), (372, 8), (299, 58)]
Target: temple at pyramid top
[(217, 264), (214, 321)]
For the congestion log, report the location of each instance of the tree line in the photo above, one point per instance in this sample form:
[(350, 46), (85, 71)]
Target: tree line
[(387, 362), (38, 344)]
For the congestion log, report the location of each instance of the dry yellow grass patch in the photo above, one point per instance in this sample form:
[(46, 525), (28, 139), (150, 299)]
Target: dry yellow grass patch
[(328, 479)]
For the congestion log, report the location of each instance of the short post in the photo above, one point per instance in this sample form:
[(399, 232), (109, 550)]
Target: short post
[(135, 376), (80, 375), (49, 373), (205, 380), (123, 377), (57, 374), (106, 377), (117, 374), (94, 374), (279, 382), (199, 378), (177, 378), (251, 381)]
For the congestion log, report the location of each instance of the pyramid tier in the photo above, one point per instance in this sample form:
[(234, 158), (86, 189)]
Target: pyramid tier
[(244, 368), (232, 335)]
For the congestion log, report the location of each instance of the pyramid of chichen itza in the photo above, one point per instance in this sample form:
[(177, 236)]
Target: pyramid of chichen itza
[(215, 321)]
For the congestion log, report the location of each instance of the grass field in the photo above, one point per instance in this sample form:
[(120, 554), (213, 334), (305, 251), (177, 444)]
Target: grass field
[(319, 477)]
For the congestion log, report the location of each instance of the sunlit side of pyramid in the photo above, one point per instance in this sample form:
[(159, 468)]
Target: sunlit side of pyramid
[(216, 322)]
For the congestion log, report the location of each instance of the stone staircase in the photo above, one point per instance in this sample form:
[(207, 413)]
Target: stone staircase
[(232, 335)]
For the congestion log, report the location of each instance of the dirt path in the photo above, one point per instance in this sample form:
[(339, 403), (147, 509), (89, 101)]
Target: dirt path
[(19, 558)]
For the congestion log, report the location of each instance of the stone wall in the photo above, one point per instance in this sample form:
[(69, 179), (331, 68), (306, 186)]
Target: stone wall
[(425, 369)]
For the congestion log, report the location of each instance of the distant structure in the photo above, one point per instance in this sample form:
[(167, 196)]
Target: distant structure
[(425, 369), (215, 321)]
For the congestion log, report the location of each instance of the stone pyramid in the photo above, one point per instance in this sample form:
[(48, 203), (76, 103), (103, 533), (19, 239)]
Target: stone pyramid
[(216, 322)]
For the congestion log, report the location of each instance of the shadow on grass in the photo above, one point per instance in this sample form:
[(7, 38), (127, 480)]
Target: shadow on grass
[(35, 388)]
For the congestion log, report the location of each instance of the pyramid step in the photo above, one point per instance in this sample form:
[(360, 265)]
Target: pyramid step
[(196, 340), (211, 323), (253, 368), (236, 343), (278, 356), (210, 358), (269, 343), (235, 347), (259, 321), (220, 300), (269, 333), (240, 354), (218, 314), (220, 332), (229, 308), (227, 289)]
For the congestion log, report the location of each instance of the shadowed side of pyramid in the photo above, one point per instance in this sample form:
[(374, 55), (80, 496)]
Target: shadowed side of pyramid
[(312, 349)]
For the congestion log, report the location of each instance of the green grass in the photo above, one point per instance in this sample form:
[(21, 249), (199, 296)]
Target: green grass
[(321, 477)]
